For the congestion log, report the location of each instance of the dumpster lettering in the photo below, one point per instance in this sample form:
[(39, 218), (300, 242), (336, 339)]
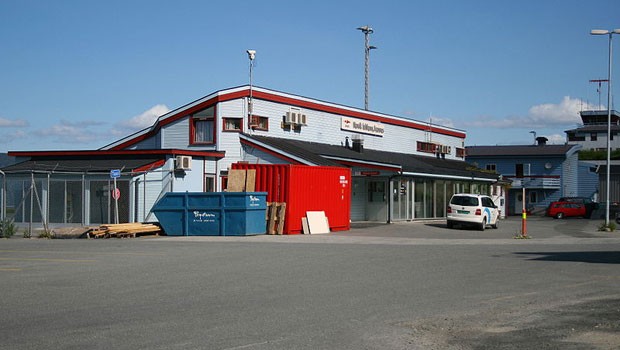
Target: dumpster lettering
[(254, 201), (203, 217)]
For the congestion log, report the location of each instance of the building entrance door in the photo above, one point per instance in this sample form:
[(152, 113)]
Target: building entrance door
[(376, 205)]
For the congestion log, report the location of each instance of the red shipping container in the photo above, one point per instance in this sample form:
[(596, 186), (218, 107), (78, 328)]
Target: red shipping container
[(306, 188)]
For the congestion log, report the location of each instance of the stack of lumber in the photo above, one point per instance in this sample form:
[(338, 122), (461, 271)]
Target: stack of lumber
[(123, 230)]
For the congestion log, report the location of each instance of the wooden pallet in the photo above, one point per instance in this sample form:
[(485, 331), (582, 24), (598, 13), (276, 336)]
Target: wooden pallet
[(130, 230), (276, 214)]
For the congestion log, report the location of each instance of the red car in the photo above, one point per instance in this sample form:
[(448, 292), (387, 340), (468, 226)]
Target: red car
[(561, 210)]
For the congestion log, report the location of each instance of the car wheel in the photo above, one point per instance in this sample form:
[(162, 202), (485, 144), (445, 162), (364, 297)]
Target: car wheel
[(450, 224), (483, 224), (496, 224), (559, 215)]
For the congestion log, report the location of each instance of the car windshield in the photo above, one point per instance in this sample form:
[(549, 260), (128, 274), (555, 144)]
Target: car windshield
[(466, 201)]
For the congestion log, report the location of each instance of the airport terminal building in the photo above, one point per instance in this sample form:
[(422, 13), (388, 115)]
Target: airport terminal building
[(401, 169)]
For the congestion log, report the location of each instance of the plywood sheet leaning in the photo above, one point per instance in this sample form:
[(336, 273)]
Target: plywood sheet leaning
[(304, 226), (236, 180), (317, 222), (250, 180)]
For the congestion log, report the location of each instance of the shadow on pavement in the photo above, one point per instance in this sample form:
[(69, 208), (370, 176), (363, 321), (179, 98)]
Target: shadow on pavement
[(603, 257)]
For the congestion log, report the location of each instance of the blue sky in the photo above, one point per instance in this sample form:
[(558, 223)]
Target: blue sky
[(81, 74)]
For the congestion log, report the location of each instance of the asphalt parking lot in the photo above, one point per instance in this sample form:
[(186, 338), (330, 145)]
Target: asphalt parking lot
[(397, 286)]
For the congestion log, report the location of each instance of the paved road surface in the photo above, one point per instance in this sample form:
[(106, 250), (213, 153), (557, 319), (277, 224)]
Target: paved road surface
[(399, 286)]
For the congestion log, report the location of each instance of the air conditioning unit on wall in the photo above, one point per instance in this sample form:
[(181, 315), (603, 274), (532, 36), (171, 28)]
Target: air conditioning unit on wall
[(295, 117), (183, 163), (290, 118)]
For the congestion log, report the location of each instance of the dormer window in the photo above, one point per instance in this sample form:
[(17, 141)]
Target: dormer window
[(202, 127)]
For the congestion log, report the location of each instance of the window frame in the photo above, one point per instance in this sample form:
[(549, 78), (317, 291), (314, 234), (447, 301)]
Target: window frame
[(193, 120), (238, 120), (426, 147), (258, 126)]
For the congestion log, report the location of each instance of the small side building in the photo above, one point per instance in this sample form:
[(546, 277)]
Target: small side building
[(547, 172)]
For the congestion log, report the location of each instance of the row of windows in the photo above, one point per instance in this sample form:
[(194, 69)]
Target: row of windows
[(593, 136), (428, 147), (202, 129), (521, 170)]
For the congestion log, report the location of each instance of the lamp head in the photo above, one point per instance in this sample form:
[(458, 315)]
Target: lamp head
[(599, 32), (366, 29), (251, 54)]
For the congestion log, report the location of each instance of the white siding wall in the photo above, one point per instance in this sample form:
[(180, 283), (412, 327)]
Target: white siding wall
[(253, 155), (569, 176), (176, 135), (192, 180), (325, 128), (150, 143), (226, 140)]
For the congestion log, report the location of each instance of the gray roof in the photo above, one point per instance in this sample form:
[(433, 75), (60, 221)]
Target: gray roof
[(594, 128), (79, 165), (321, 152), (527, 151)]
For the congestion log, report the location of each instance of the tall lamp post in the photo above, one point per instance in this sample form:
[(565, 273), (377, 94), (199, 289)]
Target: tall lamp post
[(367, 47), (609, 33), (251, 57)]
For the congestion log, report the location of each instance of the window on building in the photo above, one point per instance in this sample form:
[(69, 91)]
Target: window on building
[(232, 124), (574, 137), (522, 170), (202, 127), (426, 147), (491, 167), (259, 123), (209, 183), (224, 181), (593, 136), (460, 152)]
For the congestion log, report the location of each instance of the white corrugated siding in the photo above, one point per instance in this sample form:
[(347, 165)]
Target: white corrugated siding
[(570, 176), (325, 128), (176, 135)]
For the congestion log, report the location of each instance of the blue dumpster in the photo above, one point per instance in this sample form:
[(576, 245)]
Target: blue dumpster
[(212, 213)]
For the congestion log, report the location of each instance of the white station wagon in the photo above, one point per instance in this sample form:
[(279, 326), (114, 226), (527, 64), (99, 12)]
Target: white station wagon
[(472, 209)]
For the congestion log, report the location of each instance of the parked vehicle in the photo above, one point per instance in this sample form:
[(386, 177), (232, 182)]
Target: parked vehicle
[(560, 210), (472, 209), (587, 202)]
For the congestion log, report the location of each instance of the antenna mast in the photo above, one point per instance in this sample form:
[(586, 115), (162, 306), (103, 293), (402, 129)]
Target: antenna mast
[(598, 89)]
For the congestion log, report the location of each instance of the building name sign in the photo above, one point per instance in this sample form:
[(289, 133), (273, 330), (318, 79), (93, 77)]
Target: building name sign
[(362, 126)]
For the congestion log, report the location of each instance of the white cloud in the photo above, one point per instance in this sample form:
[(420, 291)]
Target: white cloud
[(556, 139), (8, 138), (16, 123), (67, 132), (545, 115), (447, 122), (146, 118)]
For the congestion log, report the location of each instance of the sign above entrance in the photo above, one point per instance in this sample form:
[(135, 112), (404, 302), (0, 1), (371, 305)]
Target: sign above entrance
[(362, 126)]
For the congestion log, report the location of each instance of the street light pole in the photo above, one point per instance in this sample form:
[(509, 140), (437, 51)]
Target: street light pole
[(251, 57), (609, 33), (367, 47)]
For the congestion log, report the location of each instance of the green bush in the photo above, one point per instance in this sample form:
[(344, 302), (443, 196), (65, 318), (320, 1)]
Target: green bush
[(7, 229), (609, 228)]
